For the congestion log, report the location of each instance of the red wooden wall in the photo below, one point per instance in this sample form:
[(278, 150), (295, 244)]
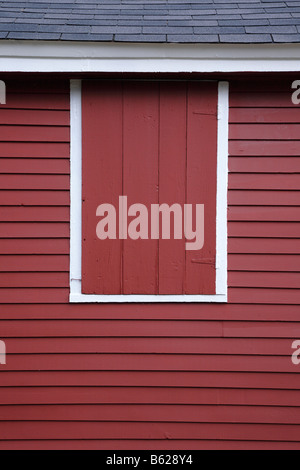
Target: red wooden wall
[(194, 376)]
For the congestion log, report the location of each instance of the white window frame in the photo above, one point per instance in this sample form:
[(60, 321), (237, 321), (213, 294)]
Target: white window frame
[(76, 294)]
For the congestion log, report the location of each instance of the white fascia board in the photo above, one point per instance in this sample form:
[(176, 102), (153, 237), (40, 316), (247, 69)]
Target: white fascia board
[(58, 56)]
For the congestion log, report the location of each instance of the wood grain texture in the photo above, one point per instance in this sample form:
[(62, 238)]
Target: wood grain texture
[(155, 143)]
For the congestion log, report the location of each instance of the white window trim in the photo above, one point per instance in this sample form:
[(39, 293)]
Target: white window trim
[(76, 210)]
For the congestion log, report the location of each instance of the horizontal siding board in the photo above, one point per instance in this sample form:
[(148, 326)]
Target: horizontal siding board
[(267, 148), (264, 213), (148, 328), (263, 115), (143, 312), (152, 413), (34, 198), (268, 99), (34, 296), (264, 296), (174, 312), (110, 430), (34, 214), (264, 246), (264, 229), (264, 279), (253, 197), (35, 165), (34, 263), (35, 246), (29, 117), (264, 165), (145, 444), (60, 182), (111, 397), (261, 84), (267, 181), (34, 230), (92, 328), (159, 382), (33, 280), (34, 150), (263, 262), (238, 346), (36, 101), (150, 362), (34, 134), (261, 131)]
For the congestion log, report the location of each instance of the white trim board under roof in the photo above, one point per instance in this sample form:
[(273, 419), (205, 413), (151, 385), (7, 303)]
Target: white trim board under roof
[(83, 57)]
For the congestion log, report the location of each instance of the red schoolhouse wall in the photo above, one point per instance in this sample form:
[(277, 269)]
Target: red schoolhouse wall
[(155, 376)]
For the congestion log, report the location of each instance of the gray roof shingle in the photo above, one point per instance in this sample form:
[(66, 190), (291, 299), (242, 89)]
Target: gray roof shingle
[(173, 21)]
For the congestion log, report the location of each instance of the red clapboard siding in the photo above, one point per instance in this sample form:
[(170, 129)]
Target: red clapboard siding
[(38, 101), (264, 131), (37, 246), (113, 376), (141, 444), (174, 312), (161, 384), (34, 214), (266, 99), (130, 149), (35, 279), (30, 118), (162, 362), (34, 230), (124, 430), (60, 182), (265, 279), (111, 397), (238, 346), (264, 165), (260, 198), (264, 115), (266, 148), (35, 150), (264, 213), (34, 198), (264, 229), (148, 328), (266, 181), (34, 133), (264, 246), (170, 413), (31, 166)]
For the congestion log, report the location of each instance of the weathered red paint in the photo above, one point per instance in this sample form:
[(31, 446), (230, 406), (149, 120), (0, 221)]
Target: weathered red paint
[(154, 142), (124, 376)]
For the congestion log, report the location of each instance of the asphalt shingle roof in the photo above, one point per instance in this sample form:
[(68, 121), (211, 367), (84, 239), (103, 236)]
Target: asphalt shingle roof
[(173, 21)]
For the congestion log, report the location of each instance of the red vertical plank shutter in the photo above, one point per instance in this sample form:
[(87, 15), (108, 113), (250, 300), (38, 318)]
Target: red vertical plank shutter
[(156, 143)]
